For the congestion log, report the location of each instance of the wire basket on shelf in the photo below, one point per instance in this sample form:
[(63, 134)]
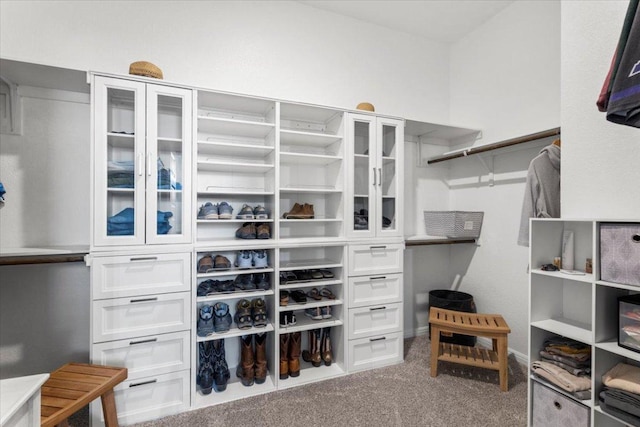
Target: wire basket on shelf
[(453, 224)]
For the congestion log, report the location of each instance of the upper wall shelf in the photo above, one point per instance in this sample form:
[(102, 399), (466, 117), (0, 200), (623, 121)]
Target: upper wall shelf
[(489, 147)]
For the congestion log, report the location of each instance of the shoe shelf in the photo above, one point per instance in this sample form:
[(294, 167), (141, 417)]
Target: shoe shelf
[(292, 139), (235, 149), (235, 332), (318, 190), (310, 284), (309, 264), (232, 221), (234, 167), (235, 390), (224, 126), (294, 306), (222, 296), (311, 374), (304, 159), (233, 271), (303, 323)]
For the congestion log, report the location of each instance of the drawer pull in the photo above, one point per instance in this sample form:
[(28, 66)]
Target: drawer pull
[(144, 258), (377, 339), (636, 238), (144, 300), (374, 176), (378, 278), (378, 308), (378, 247), (143, 341), (557, 404), (143, 383)]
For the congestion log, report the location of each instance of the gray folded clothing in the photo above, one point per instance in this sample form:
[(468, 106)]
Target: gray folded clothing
[(566, 360), (624, 416), (574, 371), (623, 400)]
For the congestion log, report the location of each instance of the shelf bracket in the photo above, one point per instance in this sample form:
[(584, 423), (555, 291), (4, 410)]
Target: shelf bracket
[(489, 168), (11, 108)]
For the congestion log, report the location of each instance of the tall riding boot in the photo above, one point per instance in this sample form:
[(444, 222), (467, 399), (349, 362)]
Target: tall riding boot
[(261, 358), (326, 347), (284, 356), (220, 368), (294, 354), (246, 370), (313, 354)]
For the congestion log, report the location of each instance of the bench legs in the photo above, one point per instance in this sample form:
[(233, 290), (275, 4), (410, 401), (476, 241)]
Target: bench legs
[(503, 363), (435, 349), (109, 409)]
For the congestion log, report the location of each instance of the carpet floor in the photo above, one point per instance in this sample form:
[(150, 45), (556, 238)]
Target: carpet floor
[(400, 395)]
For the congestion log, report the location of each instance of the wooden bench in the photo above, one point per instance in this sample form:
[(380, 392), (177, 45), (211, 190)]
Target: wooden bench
[(74, 386), (484, 325)]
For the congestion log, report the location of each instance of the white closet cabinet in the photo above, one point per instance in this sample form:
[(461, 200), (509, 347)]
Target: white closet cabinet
[(578, 306), (141, 163), (376, 151)]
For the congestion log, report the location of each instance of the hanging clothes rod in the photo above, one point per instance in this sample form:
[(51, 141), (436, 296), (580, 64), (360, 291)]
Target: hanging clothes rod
[(502, 144)]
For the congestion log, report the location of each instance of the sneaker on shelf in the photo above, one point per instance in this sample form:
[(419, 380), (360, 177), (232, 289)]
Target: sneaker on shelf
[(263, 231), (314, 313), (221, 372), (287, 318), (244, 282), (208, 287), (260, 212), (260, 258), (225, 210), (208, 211), (247, 231), (205, 321), (222, 318), (226, 286), (245, 213), (243, 316), (259, 312), (243, 259), (262, 281), (299, 297), (221, 262), (205, 264), (205, 370), (326, 312)]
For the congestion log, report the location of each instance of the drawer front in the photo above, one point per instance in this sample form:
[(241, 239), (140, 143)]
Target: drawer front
[(375, 320), (124, 318), (620, 253), (151, 355), (375, 259), (148, 398), (366, 353), (368, 290), (551, 409), (125, 276)]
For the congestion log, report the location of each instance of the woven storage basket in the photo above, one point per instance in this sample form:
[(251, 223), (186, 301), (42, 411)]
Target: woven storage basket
[(453, 224), (144, 68)]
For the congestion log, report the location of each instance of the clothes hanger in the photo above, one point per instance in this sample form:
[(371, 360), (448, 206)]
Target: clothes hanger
[(556, 142)]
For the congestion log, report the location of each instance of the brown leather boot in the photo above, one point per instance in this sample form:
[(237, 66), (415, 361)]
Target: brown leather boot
[(313, 354), (307, 211), (261, 358), (326, 347), (245, 370), (284, 358), (294, 213), (294, 354)]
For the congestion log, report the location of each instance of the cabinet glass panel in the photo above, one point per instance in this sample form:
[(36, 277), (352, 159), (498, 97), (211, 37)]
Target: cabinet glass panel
[(121, 155), (362, 185), (388, 178), (170, 164)]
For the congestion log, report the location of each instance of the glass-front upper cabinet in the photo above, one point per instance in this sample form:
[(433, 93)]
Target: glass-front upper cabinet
[(142, 163), (375, 151)]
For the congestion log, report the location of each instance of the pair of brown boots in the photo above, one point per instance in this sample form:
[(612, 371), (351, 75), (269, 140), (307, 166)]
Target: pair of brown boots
[(290, 345), (319, 348), (299, 211), (253, 368)]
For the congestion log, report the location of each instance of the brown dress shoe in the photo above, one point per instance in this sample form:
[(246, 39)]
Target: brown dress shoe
[(261, 358), (294, 354), (245, 370), (284, 359), (325, 352)]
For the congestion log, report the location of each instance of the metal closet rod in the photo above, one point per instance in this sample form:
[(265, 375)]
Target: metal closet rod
[(502, 144)]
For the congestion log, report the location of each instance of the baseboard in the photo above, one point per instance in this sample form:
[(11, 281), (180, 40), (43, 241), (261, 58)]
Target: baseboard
[(523, 359)]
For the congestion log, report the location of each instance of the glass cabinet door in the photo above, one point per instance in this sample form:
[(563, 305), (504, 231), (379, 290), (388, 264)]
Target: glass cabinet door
[(168, 159), (119, 185), (364, 177), (390, 151)]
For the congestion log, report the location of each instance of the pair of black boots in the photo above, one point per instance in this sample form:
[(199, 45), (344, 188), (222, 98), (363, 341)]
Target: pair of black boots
[(213, 371)]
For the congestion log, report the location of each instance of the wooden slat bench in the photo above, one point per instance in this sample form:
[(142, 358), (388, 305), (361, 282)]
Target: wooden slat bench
[(484, 325), (75, 385)]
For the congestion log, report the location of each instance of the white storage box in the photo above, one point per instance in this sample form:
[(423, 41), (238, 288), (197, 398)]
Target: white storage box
[(453, 224)]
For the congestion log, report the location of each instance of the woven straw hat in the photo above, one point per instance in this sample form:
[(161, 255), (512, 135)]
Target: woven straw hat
[(144, 68), (365, 106)]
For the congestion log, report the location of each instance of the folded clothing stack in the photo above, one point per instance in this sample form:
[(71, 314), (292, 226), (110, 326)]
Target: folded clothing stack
[(122, 223), (566, 363), (621, 395)]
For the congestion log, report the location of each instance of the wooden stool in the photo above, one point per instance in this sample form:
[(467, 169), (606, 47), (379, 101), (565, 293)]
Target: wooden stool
[(75, 385), (483, 325)]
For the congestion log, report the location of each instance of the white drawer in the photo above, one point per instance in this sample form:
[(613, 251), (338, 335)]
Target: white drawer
[(368, 290), (379, 350), (125, 276), (123, 318), (148, 398), (375, 259), (375, 320), (152, 355)]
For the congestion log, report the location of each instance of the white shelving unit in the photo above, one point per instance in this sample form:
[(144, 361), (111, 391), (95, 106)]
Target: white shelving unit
[(580, 307)]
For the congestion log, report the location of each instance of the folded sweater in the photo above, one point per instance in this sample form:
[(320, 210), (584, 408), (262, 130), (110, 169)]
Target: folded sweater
[(560, 377), (624, 377)]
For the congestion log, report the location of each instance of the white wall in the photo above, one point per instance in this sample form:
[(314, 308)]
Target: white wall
[(505, 79), (600, 173), (279, 49)]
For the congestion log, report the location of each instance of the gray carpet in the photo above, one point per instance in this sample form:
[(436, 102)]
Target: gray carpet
[(400, 395)]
